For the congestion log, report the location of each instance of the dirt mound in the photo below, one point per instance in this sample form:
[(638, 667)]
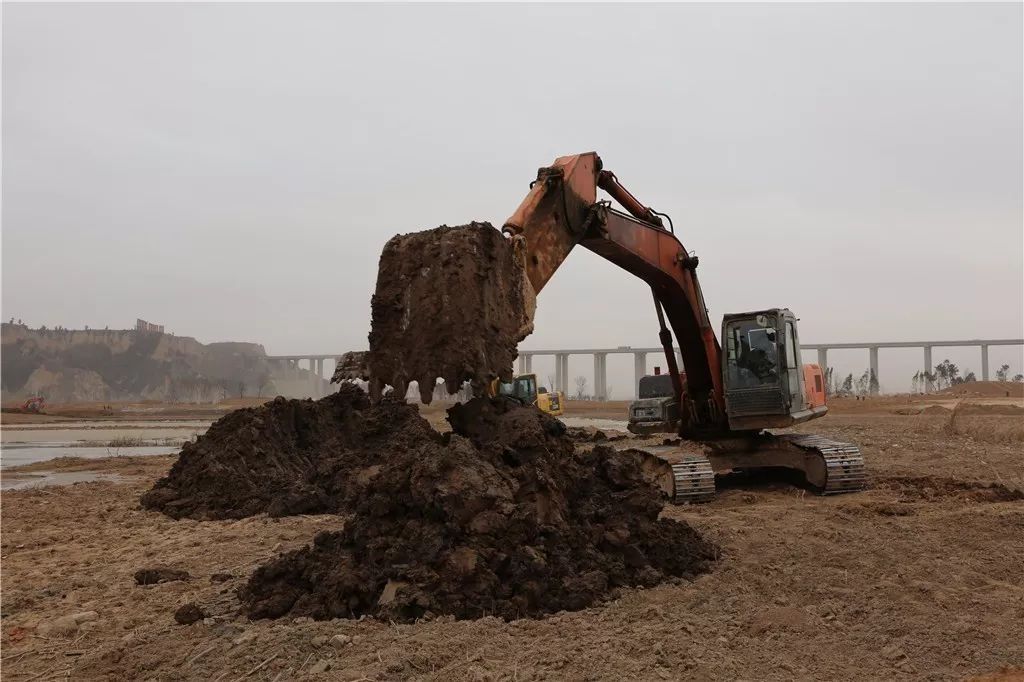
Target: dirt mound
[(591, 434), (986, 408), (930, 488), (288, 457), (986, 389), (452, 302), (922, 409), (501, 517)]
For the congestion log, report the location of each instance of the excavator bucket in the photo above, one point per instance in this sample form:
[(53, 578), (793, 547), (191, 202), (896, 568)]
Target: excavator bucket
[(452, 302)]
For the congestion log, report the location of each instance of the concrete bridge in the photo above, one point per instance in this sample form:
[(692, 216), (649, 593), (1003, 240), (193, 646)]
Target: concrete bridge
[(315, 363)]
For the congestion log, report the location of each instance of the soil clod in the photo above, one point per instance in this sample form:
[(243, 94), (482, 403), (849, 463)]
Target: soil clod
[(189, 613), (161, 574)]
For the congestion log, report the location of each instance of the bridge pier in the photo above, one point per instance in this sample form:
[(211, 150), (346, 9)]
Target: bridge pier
[(600, 376), (525, 363), (984, 362), (639, 370), (873, 364), (927, 368)]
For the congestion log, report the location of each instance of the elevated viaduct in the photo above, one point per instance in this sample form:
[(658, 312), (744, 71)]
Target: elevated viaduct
[(810, 352)]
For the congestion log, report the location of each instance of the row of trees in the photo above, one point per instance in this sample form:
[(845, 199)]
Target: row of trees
[(865, 384), (202, 390), (1003, 374), (946, 374)]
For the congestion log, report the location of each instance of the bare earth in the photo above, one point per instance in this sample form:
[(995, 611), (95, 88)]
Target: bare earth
[(916, 578)]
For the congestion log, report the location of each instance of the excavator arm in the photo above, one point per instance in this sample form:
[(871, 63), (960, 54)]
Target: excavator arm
[(562, 210)]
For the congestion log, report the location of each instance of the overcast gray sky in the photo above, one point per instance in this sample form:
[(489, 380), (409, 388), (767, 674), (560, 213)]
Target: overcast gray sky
[(232, 171)]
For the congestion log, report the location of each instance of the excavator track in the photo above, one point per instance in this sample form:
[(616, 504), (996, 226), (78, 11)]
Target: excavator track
[(830, 467), (844, 464), (693, 480)]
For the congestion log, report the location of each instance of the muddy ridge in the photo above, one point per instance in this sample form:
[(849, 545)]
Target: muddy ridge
[(501, 517), (452, 302), (287, 457)]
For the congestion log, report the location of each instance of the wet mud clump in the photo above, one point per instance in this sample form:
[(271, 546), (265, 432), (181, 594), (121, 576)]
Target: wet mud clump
[(452, 302), (500, 517), (288, 457)]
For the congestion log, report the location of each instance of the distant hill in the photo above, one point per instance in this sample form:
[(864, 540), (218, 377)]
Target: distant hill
[(72, 365)]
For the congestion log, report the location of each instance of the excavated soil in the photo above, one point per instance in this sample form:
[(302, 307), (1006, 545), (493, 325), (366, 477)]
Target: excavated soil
[(288, 457), (452, 302), (501, 517)]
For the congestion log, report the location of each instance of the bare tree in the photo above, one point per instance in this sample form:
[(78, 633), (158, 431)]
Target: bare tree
[(863, 382), (551, 383), (227, 386), (1002, 373), (581, 387), (262, 382), (929, 380)]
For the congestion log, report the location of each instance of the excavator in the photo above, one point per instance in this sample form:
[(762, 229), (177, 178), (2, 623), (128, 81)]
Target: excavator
[(731, 396), (524, 390)]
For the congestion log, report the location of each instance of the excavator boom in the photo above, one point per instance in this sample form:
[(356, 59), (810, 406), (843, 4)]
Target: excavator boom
[(561, 211)]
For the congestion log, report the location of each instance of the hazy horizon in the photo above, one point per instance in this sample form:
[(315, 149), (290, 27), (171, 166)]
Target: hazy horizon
[(232, 171)]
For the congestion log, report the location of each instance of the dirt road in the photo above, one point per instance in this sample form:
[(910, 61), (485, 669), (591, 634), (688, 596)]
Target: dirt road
[(917, 578)]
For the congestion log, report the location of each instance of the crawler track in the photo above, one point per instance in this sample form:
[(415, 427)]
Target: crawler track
[(844, 465), (694, 480)]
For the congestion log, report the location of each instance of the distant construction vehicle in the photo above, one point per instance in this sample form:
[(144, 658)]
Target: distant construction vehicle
[(34, 405), (656, 409), (524, 389), (729, 397)]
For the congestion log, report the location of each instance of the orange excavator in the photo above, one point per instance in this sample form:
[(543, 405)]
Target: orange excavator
[(730, 396)]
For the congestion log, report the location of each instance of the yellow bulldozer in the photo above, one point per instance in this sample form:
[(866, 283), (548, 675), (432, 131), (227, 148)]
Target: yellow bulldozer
[(524, 389)]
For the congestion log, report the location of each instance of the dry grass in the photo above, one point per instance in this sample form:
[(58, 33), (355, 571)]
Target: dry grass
[(982, 428)]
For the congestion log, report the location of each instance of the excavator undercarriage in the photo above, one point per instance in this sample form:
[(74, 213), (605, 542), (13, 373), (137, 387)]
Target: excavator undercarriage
[(829, 467)]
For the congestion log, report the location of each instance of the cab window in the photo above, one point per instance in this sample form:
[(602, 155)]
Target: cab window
[(527, 387), (752, 353)]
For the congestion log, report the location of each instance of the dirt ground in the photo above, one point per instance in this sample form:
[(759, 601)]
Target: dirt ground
[(917, 578), (122, 411)]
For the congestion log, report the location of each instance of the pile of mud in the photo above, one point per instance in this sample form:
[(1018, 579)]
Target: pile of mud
[(452, 302), (500, 517), (288, 457), (985, 389)]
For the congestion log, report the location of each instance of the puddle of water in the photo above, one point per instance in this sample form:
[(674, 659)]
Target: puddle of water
[(47, 436), (112, 424), (615, 424), (38, 479), (13, 456)]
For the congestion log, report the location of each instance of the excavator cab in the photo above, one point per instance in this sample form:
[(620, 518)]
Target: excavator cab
[(766, 386)]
